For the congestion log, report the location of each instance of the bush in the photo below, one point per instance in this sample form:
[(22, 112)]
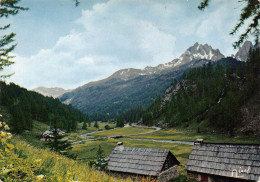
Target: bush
[(107, 127)]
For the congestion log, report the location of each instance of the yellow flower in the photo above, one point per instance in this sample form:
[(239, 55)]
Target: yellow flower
[(2, 134), (38, 160), (39, 177), (9, 135), (6, 127), (1, 115), (1, 124), (10, 146)]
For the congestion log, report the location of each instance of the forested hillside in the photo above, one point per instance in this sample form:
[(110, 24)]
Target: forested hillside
[(210, 97), (25, 106)]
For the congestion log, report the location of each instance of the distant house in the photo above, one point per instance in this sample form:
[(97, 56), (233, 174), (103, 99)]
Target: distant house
[(224, 162), (132, 161), (48, 134)]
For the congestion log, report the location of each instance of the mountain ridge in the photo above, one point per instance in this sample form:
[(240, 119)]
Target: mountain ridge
[(135, 87)]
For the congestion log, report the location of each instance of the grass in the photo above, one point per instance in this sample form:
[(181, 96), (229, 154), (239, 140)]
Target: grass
[(124, 131), (174, 134)]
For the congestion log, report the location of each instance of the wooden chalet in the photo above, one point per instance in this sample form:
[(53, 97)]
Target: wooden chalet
[(224, 162), (48, 134), (132, 161)]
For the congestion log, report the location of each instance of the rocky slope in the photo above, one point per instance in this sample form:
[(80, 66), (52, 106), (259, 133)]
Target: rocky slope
[(128, 88), (242, 53)]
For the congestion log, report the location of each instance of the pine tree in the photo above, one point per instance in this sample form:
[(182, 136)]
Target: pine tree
[(96, 125), (7, 8), (101, 163), (84, 127), (250, 11), (59, 144)]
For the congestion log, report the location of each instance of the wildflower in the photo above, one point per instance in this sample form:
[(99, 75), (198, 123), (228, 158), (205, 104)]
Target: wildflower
[(6, 127), (38, 160), (2, 134), (1, 115), (9, 135), (39, 177), (1, 124)]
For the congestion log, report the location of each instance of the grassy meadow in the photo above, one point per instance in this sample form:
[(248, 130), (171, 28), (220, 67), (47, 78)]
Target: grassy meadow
[(124, 131), (174, 134)]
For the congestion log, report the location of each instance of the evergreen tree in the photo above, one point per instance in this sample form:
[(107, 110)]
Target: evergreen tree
[(59, 143), (101, 163), (96, 125), (7, 8), (250, 11), (120, 121), (84, 127)]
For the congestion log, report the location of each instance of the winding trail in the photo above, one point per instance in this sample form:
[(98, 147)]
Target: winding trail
[(152, 131)]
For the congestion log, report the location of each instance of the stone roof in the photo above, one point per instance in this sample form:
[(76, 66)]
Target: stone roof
[(142, 161), (229, 160), (49, 133)]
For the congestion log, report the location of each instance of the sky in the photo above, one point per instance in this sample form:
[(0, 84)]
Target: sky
[(60, 45)]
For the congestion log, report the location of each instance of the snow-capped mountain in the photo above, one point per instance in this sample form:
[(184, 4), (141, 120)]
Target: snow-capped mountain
[(195, 52)]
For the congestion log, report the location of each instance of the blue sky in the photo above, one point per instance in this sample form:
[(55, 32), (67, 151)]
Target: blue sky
[(66, 46)]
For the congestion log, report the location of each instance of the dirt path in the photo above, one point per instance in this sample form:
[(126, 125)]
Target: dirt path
[(155, 130)]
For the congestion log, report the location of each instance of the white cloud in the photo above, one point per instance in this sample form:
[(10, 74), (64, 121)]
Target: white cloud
[(119, 34)]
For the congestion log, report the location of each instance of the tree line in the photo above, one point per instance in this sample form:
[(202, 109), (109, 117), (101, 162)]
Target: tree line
[(25, 106)]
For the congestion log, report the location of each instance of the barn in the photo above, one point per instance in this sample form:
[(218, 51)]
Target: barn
[(222, 162), (160, 164)]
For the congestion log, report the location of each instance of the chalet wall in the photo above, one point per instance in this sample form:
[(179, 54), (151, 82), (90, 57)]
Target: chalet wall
[(168, 174), (213, 178)]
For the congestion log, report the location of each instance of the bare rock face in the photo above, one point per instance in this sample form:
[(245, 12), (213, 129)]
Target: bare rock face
[(243, 52), (199, 51)]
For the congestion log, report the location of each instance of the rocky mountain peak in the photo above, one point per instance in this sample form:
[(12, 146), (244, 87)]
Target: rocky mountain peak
[(242, 53), (195, 52), (199, 51)]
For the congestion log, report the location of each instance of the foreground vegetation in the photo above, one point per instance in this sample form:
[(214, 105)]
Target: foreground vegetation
[(23, 162)]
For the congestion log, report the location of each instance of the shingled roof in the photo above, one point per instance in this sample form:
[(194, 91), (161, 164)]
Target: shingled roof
[(230, 160), (142, 161)]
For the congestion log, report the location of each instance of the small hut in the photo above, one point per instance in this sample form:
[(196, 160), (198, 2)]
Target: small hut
[(48, 134), (215, 162), (160, 164)]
